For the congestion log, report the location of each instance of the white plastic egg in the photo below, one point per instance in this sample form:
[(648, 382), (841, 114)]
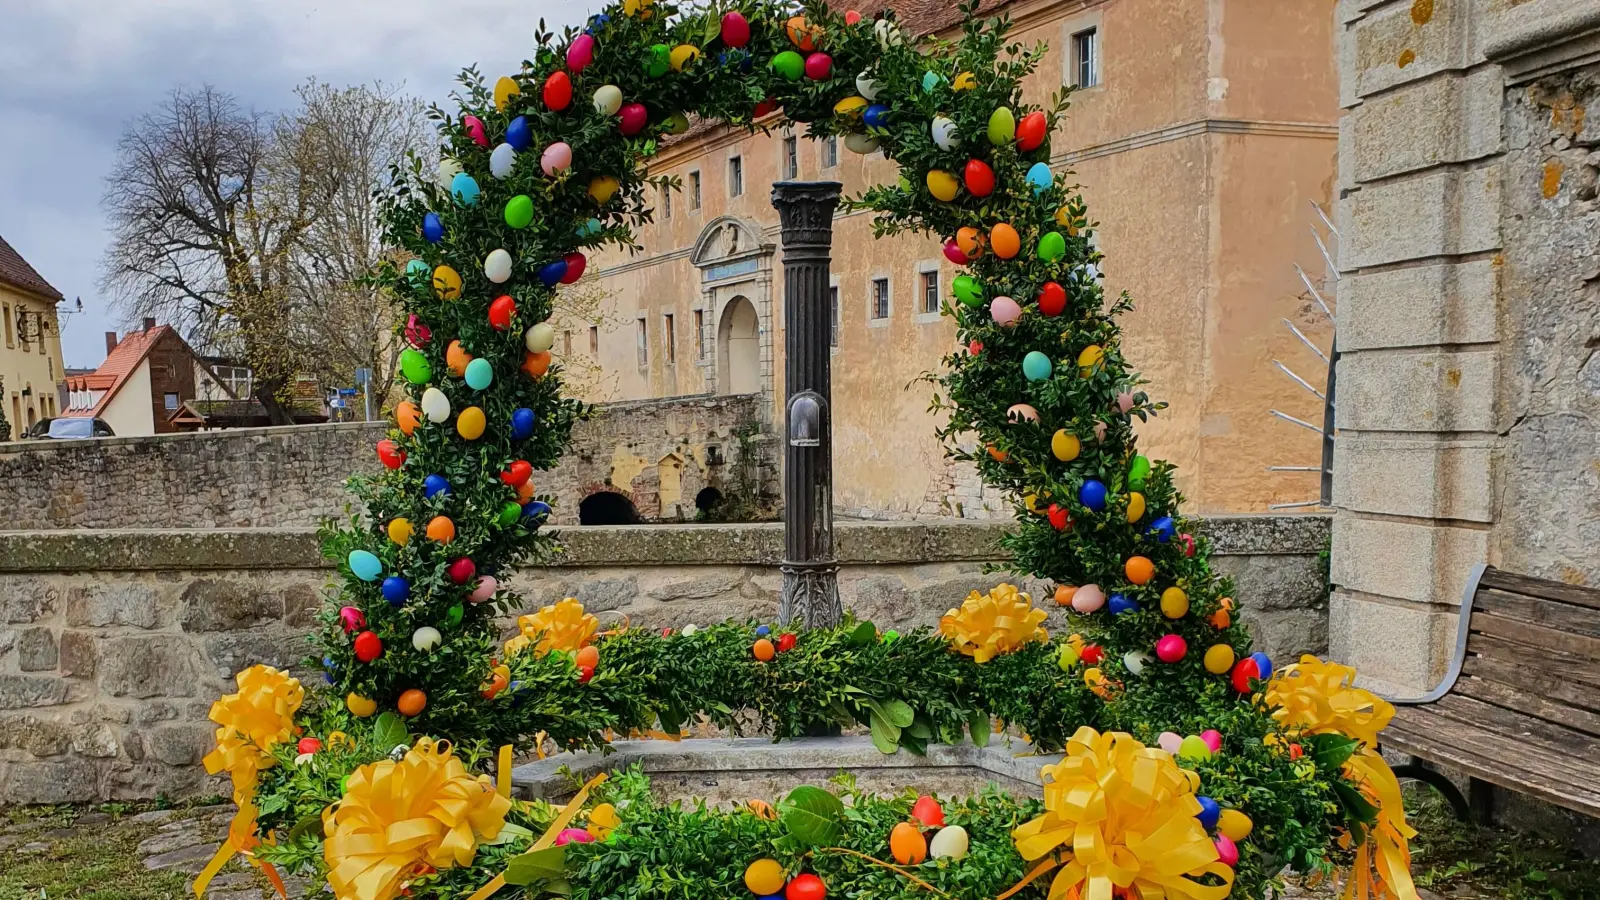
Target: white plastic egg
[(944, 133), (608, 99), (448, 170), (540, 338), (426, 638), (860, 143), (951, 842), (888, 34), (501, 160), (435, 405), (867, 86), (497, 267)]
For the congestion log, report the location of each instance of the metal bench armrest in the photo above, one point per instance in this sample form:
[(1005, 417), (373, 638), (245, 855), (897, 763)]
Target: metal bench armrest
[(1459, 655)]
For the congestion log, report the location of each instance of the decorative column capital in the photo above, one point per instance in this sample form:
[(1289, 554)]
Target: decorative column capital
[(805, 209)]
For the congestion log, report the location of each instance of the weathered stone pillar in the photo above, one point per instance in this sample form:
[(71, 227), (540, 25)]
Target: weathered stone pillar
[(810, 575)]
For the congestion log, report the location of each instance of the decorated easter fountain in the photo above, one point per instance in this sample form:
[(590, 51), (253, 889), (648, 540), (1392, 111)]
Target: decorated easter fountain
[(1172, 761)]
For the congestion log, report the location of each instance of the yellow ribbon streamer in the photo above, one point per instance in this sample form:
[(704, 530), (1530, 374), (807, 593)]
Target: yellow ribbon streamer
[(503, 784), (1317, 697), (562, 820), (988, 625), (563, 626), (395, 816), (1120, 815)]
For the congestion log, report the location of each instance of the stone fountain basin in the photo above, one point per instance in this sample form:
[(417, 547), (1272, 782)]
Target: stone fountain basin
[(729, 771)]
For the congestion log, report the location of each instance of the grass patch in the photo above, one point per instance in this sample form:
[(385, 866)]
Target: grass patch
[(99, 864), (1453, 857)]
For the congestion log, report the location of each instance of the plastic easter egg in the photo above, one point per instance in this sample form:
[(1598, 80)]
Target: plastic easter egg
[(1138, 471), (1089, 358), (887, 33), (435, 405), (942, 185), (634, 117), (426, 638), (1005, 311), (446, 283), (557, 93), (850, 107), (396, 590), (470, 423), (1135, 662), (1213, 739), (352, 619), (500, 163), (480, 374), (1227, 850), (441, 530), (1031, 131), (364, 565), (1174, 603), (501, 311), (607, 99), (1005, 241), (576, 263), (497, 266), (1163, 529), (390, 454), (951, 842), (819, 67), (764, 650), (876, 116), (474, 129), (359, 706), (1219, 659), (522, 422), (536, 511), (536, 364), (971, 241), (944, 133), (368, 646), (307, 745), (464, 188), (1234, 825), (1245, 672), (519, 211), (1135, 510), (1093, 654), (1122, 603), (434, 485), (461, 571), (1040, 176), (505, 87), (928, 811), (447, 171), (588, 656), (407, 416), (539, 338), (1067, 657), (414, 366), (1021, 412), (580, 53), (1210, 810), (602, 188), (551, 273), (735, 30), (979, 178), (1065, 446), (1139, 570), (1092, 494), (411, 703), (907, 845), (764, 877), (519, 134), (967, 290), (1088, 598), (1170, 741), (856, 142), (589, 228), (1052, 246), (510, 512), (416, 269), (802, 33), (573, 836), (456, 358), (556, 158), (1171, 648), (790, 65), (1060, 518), (681, 56), (432, 228), (867, 86), (640, 8), (1263, 664), (1002, 126), (1036, 366), (952, 252)]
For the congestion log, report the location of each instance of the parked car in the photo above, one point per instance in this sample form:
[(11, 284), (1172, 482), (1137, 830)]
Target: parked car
[(73, 428), (37, 430)]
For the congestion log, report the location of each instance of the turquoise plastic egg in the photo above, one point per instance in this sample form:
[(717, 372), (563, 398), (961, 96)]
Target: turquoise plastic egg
[(1036, 366), (480, 374), (1040, 177)]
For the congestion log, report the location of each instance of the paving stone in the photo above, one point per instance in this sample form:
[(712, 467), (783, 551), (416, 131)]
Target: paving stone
[(185, 859), (154, 817), (33, 847)]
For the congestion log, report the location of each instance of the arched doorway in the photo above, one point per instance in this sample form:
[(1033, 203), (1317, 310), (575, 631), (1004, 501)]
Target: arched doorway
[(607, 508), (739, 348)]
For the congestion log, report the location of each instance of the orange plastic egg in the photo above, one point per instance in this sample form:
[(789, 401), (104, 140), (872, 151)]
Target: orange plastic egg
[(1005, 241), (441, 529), (406, 416), (1139, 570), (412, 702), (803, 34), (456, 357), (1064, 594), (908, 845), (587, 656), (998, 455), (536, 364), (764, 650), (525, 492), (970, 240)]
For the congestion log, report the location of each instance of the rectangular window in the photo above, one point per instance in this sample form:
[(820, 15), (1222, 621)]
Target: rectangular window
[(830, 151), (699, 334), (643, 343), (930, 291), (169, 400), (566, 343), (735, 176), (833, 303), (791, 158), (594, 341), (880, 298), (694, 190), (1086, 58), (669, 339), (11, 337), (666, 202)]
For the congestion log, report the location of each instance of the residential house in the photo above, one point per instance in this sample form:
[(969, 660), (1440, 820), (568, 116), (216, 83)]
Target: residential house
[(30, 356)]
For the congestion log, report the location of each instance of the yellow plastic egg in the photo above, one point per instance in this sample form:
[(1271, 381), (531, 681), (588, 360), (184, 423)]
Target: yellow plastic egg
[(602, 188), (400, 530), (640, 8), (682, 55), (1092, 677), (1135, 506), (1031, 501), (603, 819), (470, 423), (1091, 356), (966, 81), (943, 185), (850, 106), (764, 877), (504, 90), (359, 706), (1174, 603), (1065, 445), (1235, 825), (446, 283), (1219, 659)]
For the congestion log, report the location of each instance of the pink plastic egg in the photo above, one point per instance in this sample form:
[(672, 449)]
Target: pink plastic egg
[(573, 836), (581, 53), (851, 17), (1088, 598), (1022, 412), (475, 131), (634, 118), (556, 158), (1227, 850), (485, 589), (352, 619), (952, 252), (1170, 742), (1213, 739), (819, 66), (1125, 401), (1005, 311), (1172, 648)]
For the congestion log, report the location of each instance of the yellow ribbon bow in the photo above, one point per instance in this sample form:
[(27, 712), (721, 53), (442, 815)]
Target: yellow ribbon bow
[(1316, 697), (1120, 815), (988, 625), (563, 626), (250, 723), (424, 809)]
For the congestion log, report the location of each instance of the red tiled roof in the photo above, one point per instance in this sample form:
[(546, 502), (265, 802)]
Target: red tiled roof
[(15, 271), (120, 363)]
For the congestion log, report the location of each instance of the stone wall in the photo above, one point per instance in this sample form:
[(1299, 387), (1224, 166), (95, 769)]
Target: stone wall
[(1468, 299), (113, 644), (658, 454)]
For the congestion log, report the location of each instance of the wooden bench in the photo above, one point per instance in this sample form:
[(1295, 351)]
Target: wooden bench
[(1520, 705)]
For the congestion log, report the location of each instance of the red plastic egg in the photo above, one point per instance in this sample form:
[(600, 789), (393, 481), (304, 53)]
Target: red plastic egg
[(517, 474), (819, 66), (1172, 648), (974, 347), (308, 745), (1092, 655), (805, 887), (952, 252), (1188, 544), (928, 811), (1031, 131), (1052, 299), (462, 570), (1060, 519), (557, 91), (979, 178), (368, 646), (735, 29), (576, 263), (585, 673), (634, 118), (851, 17), (352, 619), (1246, 671), (501, 312), (786, 642), (765, 108), (390, 454)]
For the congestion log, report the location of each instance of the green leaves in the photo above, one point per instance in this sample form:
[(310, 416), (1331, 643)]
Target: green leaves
[(389, 731), (811, 816), (1330, 751), (541, 871)]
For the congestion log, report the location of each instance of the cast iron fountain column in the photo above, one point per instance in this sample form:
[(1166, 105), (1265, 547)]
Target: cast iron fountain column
[(810, 574)]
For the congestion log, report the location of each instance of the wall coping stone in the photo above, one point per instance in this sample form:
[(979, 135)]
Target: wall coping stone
[(759, 544), (15, 448), (1544, 37)]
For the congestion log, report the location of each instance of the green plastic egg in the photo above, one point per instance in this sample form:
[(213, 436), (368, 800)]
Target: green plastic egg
[(519, 211), (510, 512), (1193, 747), (967, 290), (789, 65), (660, 60), (452, 617), (414, 366), (1052, 246), (1002, 127), (1138, 471)]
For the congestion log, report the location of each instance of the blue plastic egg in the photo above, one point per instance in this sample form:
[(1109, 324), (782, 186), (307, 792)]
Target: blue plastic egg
[(433, 228), (329, 664), (465, 189), (1093, 495), (1122, 603), (416, 267), (327, 677), (1163, 529), (762, 631), (522, 424), (479, 374), (551, 273), (396, 590), (1036, 366), (876, 116), (1264, 662), (518, 134), (537, 510), (1041, 177), (364, 565), (1209, 812), (597, 22), (434, 485)]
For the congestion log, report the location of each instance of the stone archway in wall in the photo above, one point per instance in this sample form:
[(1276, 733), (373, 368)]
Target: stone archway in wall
[(739, 348), (734, 259)]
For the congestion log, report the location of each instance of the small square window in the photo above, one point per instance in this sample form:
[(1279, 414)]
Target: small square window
[(694, 190), (791, 158), (669, 339), (735, 176), (880, 298), (830, 151), (1086, 58), (930, 291), (642, 343), (170, 400), (833, 304)]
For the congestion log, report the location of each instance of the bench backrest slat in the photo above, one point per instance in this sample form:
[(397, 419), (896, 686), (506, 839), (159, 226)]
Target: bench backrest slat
[(1512, 583)]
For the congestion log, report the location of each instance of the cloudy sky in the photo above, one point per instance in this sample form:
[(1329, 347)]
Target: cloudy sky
[(74, 72)]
